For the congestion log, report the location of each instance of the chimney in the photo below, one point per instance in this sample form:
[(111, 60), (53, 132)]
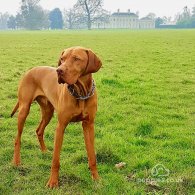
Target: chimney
[(118, 10), (129, 11)]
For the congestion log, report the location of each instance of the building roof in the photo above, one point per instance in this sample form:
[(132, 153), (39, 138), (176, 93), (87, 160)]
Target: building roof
[(124, 14), (146, 18)]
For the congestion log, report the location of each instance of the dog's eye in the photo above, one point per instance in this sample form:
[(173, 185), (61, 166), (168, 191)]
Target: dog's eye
[(76, 58)]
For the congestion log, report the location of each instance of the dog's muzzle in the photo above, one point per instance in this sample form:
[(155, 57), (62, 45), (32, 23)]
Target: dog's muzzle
[(60, 76)]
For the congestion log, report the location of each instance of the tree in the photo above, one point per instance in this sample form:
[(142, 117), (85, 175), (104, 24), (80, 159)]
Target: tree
[(158, 22), (90, 11), (33, 15), (71, 19), (3, 20), (186, 13), (166, 20), (28, 7), (55, 18), (193, 12), (11, 23), (35, 19), (184, 18), (19, 21), (193, 17), (45, 20)]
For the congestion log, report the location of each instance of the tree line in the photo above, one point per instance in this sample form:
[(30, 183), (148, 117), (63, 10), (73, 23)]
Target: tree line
[(82, 15), (185, 19), (33, 17)]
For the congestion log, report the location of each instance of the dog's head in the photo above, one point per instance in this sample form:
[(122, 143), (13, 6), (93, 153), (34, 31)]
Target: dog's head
[(75, 62)]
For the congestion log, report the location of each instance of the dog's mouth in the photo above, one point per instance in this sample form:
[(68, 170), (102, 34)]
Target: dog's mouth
[(64, 78), (61, 80), (60, 76)]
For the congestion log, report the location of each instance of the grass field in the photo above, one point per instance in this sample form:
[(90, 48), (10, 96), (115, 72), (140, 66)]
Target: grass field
[(146, 114)]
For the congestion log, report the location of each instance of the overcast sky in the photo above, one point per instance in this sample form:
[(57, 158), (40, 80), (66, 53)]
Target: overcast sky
[(159, 7)]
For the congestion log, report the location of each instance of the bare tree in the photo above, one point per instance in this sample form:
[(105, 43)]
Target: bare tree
[(186, 13), (71, 18), (90, 11), (177, 16), (166, 20)]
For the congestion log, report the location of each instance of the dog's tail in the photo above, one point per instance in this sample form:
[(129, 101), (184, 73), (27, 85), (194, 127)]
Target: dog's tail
[(15, 109)]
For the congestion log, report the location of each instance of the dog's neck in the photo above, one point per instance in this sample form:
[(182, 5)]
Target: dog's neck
[(84, 85)]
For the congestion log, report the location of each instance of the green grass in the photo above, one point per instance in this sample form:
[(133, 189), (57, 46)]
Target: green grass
[(146, 113)]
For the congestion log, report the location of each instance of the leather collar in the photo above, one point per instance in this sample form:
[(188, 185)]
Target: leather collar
[(78, 96)]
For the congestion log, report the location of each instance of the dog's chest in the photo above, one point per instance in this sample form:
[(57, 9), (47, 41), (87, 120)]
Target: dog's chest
[(80, 117)]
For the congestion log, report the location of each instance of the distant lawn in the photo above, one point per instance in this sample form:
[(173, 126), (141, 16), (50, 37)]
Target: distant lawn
[(146, 113)]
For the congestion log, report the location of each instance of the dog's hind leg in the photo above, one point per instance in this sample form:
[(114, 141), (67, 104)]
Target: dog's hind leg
[(24, 109), (47, 112), (26, 93)]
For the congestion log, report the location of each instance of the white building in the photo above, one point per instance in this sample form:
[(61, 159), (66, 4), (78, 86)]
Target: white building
[(125, 20), (146, 23)]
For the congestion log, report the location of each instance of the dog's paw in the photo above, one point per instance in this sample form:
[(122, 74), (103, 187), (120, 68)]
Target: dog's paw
[(52, 183), (95, 176), (44, 150)]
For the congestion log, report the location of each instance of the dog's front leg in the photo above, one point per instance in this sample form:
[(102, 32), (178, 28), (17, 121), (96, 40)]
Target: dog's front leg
[(53, 180), (88, 130)]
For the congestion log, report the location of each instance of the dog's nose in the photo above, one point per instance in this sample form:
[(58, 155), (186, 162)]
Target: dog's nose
[(59, 71)]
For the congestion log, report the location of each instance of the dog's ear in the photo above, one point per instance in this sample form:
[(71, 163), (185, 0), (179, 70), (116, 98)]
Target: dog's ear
[(59, 61), (94, 63)]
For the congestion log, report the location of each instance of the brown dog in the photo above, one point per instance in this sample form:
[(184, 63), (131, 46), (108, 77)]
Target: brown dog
[(74, 100)]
